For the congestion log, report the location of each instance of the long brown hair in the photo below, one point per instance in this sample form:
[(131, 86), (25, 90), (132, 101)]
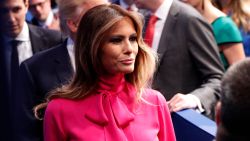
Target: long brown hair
[(93, 28), (239, 16), (236, 11)]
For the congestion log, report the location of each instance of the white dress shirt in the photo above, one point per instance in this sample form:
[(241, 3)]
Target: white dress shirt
[(24, 46), (48, 21), (161, 13), (70, 48)]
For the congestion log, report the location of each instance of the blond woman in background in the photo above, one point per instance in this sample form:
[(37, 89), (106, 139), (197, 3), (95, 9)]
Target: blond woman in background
[(239, 10)]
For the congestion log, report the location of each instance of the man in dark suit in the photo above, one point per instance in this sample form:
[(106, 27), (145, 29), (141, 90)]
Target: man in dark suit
[(28, 41), (190, 69), (48, 70)]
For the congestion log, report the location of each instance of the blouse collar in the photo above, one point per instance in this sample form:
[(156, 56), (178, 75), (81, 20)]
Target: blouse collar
[(116, 94)]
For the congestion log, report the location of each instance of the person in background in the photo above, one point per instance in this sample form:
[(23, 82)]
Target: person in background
[(43, 15), (190, 69), (126, 4), (48, 70), (108, 98), (226, 33), (232, 111), (19, 41), (54, 4), (239, 11)]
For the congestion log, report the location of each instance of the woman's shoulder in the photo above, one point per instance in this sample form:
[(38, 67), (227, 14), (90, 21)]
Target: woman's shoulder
[(224, 22), (154, 96), (62, 104), (226, 31)]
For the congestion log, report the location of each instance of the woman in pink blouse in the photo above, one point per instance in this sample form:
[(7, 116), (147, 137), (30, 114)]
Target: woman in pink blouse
[(107, 100)]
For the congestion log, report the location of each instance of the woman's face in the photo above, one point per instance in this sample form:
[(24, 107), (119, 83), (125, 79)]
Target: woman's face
[(120, 48)]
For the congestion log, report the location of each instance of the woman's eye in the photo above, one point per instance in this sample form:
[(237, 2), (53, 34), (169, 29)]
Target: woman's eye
[(115, 40), (134, 38)]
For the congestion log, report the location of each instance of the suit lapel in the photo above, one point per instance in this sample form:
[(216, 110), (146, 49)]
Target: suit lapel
[(168, 29), (36, 39), (4, 68), (64, 69)]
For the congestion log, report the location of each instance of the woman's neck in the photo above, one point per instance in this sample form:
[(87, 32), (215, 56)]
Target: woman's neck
[(210, 12)]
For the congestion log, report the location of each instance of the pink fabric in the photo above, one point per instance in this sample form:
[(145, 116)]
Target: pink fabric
[(110, 114)]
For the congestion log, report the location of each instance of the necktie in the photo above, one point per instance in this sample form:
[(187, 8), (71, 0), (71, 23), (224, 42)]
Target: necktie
[(149, 34), (14, 60), (129, 8)]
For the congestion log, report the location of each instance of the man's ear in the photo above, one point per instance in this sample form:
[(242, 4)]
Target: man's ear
[(72, 25), (218, 113)]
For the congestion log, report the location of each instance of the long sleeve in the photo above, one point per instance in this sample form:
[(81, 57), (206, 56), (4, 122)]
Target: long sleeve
[(107, 116), (205, 52), (166, 132), (53, 126)]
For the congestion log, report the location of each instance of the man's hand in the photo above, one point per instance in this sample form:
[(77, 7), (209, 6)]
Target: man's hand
[(182, 101)]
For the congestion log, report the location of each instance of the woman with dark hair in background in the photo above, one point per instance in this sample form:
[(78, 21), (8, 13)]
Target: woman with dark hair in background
[(108, 98)]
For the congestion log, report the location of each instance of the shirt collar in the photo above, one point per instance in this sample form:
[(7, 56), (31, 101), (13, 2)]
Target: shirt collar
[(48, 20), (70, 44), (163, 10), (24, 34)]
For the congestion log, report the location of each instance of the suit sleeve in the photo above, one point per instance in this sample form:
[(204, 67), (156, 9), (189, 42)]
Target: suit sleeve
[(204, 50), (27, 127)]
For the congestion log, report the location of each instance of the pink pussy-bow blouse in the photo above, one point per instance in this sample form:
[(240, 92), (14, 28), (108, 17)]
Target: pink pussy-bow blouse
[(110, 114)]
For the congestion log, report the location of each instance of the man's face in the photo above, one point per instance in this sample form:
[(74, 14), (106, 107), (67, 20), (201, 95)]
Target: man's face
[(40, 9), (12, 15)]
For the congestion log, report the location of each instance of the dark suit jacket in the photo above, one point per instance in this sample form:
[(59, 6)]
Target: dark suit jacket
[(189, 57), (116, 2), (4, 100), (41, 39), (39, 75)]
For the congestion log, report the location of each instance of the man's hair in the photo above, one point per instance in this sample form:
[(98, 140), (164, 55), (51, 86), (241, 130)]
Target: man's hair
[(68, 10), (235, 101)]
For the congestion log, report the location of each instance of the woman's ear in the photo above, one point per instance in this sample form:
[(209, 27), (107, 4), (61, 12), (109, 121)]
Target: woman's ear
[(218, 113), (72, 25)]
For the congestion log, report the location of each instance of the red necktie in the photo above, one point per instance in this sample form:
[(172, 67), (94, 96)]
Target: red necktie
[(149, 34), (129, 8)]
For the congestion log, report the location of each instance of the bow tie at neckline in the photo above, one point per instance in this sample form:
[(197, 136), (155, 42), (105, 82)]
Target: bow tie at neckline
[(109, 100)]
